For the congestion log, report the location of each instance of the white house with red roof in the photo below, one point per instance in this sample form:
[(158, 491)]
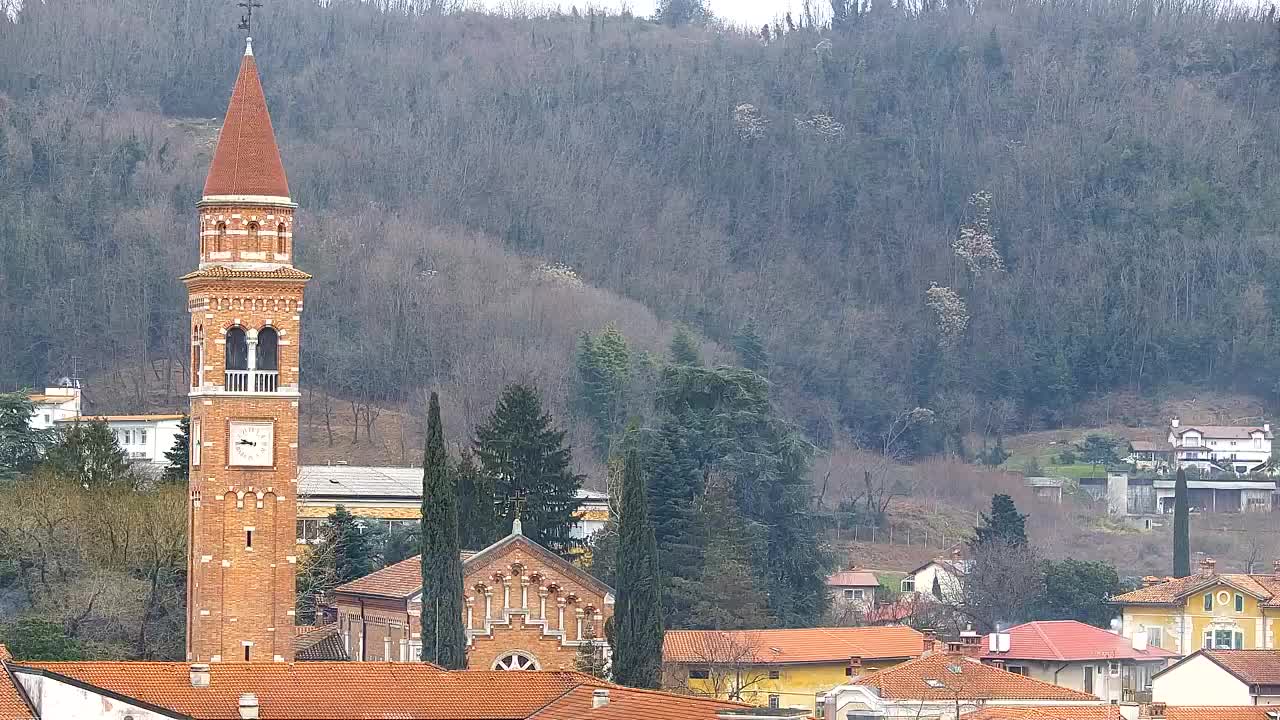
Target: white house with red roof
[(1081, 657), (853, 588)]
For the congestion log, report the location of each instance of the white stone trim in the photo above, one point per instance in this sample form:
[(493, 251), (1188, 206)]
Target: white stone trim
[(246, 200)]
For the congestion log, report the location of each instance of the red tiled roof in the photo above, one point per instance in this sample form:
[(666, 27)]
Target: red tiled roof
[(1068, 640), (12, 706), (218, 271), (630, 704), (853, 578), (317, 643), (801, 645), (1254, 667), (1046, 712), (1215, 712), (1264, 587), (328, 690), (944, 676), (247, 161)]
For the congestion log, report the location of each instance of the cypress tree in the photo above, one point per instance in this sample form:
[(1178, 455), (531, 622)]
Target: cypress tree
[(637, 636), (1004, 525), (444, 640), (1181, 527), (524, 456)]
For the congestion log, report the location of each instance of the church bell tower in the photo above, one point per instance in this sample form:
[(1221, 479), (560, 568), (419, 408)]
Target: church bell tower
[(245, 300)]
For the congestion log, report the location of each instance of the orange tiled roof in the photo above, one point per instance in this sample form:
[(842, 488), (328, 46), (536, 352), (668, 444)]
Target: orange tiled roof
[(1263, 587), (404, 578), (327, 690), (1069, 640), (1046, 712), (247, 161), (12, 706), (943, 676), (1213, 712), (801, 645), (1254, 667), (318, 642), (218, 271), (631, 704), (853, 578)]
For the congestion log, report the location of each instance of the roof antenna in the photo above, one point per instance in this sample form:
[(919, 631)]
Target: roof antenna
[(246, 22)]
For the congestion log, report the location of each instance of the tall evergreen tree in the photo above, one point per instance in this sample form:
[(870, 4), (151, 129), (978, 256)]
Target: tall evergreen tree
[(354, 554), (675, 488), (1004, 525), (684, 347), (21, 446), (1181, 526), (604, 369), (730, 594), (477, 512), (444, 639), (525, 457), (749, 347), (179, 456), (638, 633)]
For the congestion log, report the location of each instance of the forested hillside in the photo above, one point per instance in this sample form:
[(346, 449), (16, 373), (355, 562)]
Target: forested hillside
[(992, 210)]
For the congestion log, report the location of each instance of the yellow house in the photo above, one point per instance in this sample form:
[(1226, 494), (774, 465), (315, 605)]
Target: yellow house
[(391, 497), (1204, 611), (781, 668)]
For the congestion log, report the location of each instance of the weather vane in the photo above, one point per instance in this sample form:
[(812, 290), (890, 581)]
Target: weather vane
[(246, 20)]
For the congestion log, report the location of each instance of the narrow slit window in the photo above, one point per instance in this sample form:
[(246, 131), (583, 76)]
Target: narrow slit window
[(246, 653), (280, 246), (248, 539)]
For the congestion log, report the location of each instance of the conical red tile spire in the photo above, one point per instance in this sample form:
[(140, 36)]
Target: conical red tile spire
[(247, 161)]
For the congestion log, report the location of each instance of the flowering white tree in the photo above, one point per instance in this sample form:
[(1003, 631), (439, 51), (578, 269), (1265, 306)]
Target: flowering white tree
[(976, 243), (748, 121), (952, 313), (822, 126)]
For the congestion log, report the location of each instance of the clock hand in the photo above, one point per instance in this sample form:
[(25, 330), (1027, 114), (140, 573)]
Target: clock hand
[(248, 442)]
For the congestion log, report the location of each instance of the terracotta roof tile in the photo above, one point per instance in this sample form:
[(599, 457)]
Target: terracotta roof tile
[(853, 578), (1215, 712), (943, 676), (1255, 667), (1068, 640), (327, 690), (630, 704), (319, 643), (218, 271), (1046, 712), (12, 706), (247, 161), (801, 645), (1263, 587)]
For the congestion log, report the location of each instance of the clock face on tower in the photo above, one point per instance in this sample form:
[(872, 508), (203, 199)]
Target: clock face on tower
[(252, 443)]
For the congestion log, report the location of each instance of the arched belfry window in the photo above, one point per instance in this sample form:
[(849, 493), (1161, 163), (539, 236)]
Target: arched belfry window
[(267, 352), (281, 247), (220, 242), (237, 349), (253, 237)]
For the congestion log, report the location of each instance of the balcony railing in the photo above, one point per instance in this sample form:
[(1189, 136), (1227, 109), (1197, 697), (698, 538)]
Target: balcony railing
[(258, 381)]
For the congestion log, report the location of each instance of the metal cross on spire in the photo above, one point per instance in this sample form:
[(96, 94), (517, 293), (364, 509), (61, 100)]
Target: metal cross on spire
[(246, 20), (515, 504)]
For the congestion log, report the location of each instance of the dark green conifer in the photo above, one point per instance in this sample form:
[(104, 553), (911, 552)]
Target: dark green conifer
[(637, 617), (1181, 527), (443, 635)]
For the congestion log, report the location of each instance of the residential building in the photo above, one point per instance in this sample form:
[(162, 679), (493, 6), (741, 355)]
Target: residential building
[(943, 686), (526, 609), (55, 404), (781, 668), (1150, 455), (853, 589), (336, 690), (1205, 610), (1221, 677), (940, 577), (1046, 488), (245, 304), (1238, 449), (1082, 657), (144, 439), (392, 497)]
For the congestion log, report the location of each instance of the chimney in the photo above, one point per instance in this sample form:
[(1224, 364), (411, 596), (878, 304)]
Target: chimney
[(930, 641), (1207, 566), (1155, 710), (199, 675), (248, 707), (1140, 640), (1266, 427), (1173, 423), (599, 698), (1150, 580)]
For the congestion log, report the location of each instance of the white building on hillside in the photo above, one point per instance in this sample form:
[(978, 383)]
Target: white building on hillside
[(53, 405), (143, 438), (1231, 448)]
